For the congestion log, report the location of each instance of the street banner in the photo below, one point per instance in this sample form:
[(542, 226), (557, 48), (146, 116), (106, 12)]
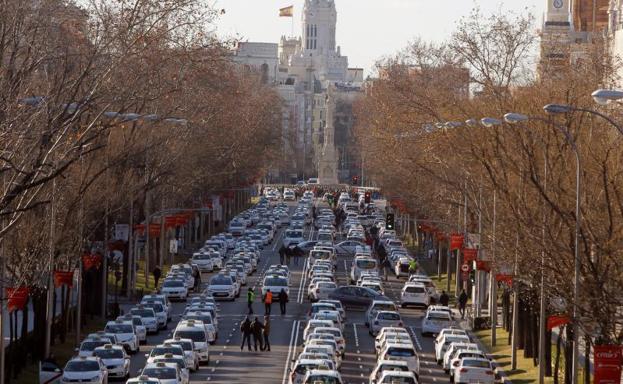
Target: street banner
[(556, 321), (456, 241), (16, 298), (122, 232), (469, 254), (63, 278), (607, 364), (482, 265), (507, 279)]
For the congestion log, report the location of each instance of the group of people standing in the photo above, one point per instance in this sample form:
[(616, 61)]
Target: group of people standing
[(288, 253), (260, 331)]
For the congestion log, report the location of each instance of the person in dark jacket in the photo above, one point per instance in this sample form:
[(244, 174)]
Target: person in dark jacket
[(256, 328), (266, 346), (157, 273), (444, 299), (282, 254), (245, 330), (462, 303), (283, 300)]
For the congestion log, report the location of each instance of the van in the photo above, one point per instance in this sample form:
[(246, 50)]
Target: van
[(190, 329)]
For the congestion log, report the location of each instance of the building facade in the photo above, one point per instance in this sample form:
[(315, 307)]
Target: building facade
[(305, 70)]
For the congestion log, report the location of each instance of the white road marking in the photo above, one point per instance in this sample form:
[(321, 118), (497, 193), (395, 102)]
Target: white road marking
[(356, 336), (417, 340), (287, 365)]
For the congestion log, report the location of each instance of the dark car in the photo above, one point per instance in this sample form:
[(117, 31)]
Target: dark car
[(307, 246), (353, 295)]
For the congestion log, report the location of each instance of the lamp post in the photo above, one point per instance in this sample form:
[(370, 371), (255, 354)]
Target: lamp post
[(599, 96), (514, 118)]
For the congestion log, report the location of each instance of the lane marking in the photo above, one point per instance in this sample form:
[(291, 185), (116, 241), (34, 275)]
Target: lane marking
[(417, 340), (286, 368), (356, 336)]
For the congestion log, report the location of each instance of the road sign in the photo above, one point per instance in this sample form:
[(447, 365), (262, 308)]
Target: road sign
[(465, 268)]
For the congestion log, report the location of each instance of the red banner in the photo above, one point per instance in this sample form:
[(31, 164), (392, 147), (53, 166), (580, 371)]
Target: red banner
[(91, 261), (16, 298), (556, 321), (482, 265), (441, 236), (508, 279), (607, 365), (170, 221), (63, 278), (456, 241), (469, 255)]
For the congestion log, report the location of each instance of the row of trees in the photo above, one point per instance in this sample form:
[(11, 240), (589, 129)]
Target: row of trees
[(522, 176), (109, 108)]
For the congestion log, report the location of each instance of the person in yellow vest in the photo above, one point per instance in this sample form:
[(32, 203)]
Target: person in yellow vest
[(268, 301)]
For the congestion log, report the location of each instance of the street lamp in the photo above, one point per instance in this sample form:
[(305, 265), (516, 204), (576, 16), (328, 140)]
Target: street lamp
[(514, 118), (604, 96), (554, 109), (472, 123), (490, 122)]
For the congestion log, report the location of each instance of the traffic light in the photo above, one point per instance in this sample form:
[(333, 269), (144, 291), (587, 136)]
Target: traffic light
[(472, 277), (367, 197), (355, 180), (389, 221)]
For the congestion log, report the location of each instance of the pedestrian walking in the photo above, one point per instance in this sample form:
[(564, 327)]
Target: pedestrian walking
[(245, 331), (283, 300), (250, 300), (266, 346), (462, 303), (157, 273), (256, 329), (298, 253), (288, 255), (444, 299), (268, 302), (282, 254), (197, 277)]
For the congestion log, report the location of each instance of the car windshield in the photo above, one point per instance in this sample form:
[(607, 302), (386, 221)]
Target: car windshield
[(326, 284), (412, 289), (201, 257), (196, 336), (204, 318), (161, 373), (294, 234), (398, 380), (186, 345), (221, 280), (322, 379), (109, 353), (276, 282), (174, 350), (366, 264), (173, 284), (155, 306), (142, 312), (180, 362), (476, 363), (401, 352), (384, 307), (389, 316), (82, 366), (393, 367), (438, 316), (119, 328), (91, 345)]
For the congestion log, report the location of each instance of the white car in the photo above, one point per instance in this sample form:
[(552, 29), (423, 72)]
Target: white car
[(115, 359), (385, 319), (159, 298), (289, 195), (148, 316), (301, 366), (378, 305), (442, 346), (362, 265), (125, 333), (387, 332), (452, 350), (275, 284), (89, 344), (167, 373), (402, 352), (414, 294), (387, 365), (143, 380), (203, 261), (204, 318), (337, 335), (181, 364), (462, 354), (434, 321), (322, 290), (474, 370), (322, 376), (313, 324), (85, 369), (174, 289), (192, 360), (222, 287)]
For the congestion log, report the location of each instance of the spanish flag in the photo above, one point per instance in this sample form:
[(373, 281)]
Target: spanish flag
[(287, 11)]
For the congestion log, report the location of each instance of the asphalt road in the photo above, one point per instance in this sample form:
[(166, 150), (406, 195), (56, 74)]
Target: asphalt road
[(228, 364)]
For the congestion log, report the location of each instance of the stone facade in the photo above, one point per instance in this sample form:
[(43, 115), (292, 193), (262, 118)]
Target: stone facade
[(304, 69)]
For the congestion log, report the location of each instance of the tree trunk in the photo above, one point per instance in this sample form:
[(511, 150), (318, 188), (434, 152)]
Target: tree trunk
[(548, 353), (557, 362), (568, 354)]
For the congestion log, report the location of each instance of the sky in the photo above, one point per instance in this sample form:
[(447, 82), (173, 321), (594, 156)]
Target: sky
[(367, 30)]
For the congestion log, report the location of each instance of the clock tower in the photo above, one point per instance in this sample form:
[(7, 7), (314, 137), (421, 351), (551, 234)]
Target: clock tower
[(558, 12), (556, 37)]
